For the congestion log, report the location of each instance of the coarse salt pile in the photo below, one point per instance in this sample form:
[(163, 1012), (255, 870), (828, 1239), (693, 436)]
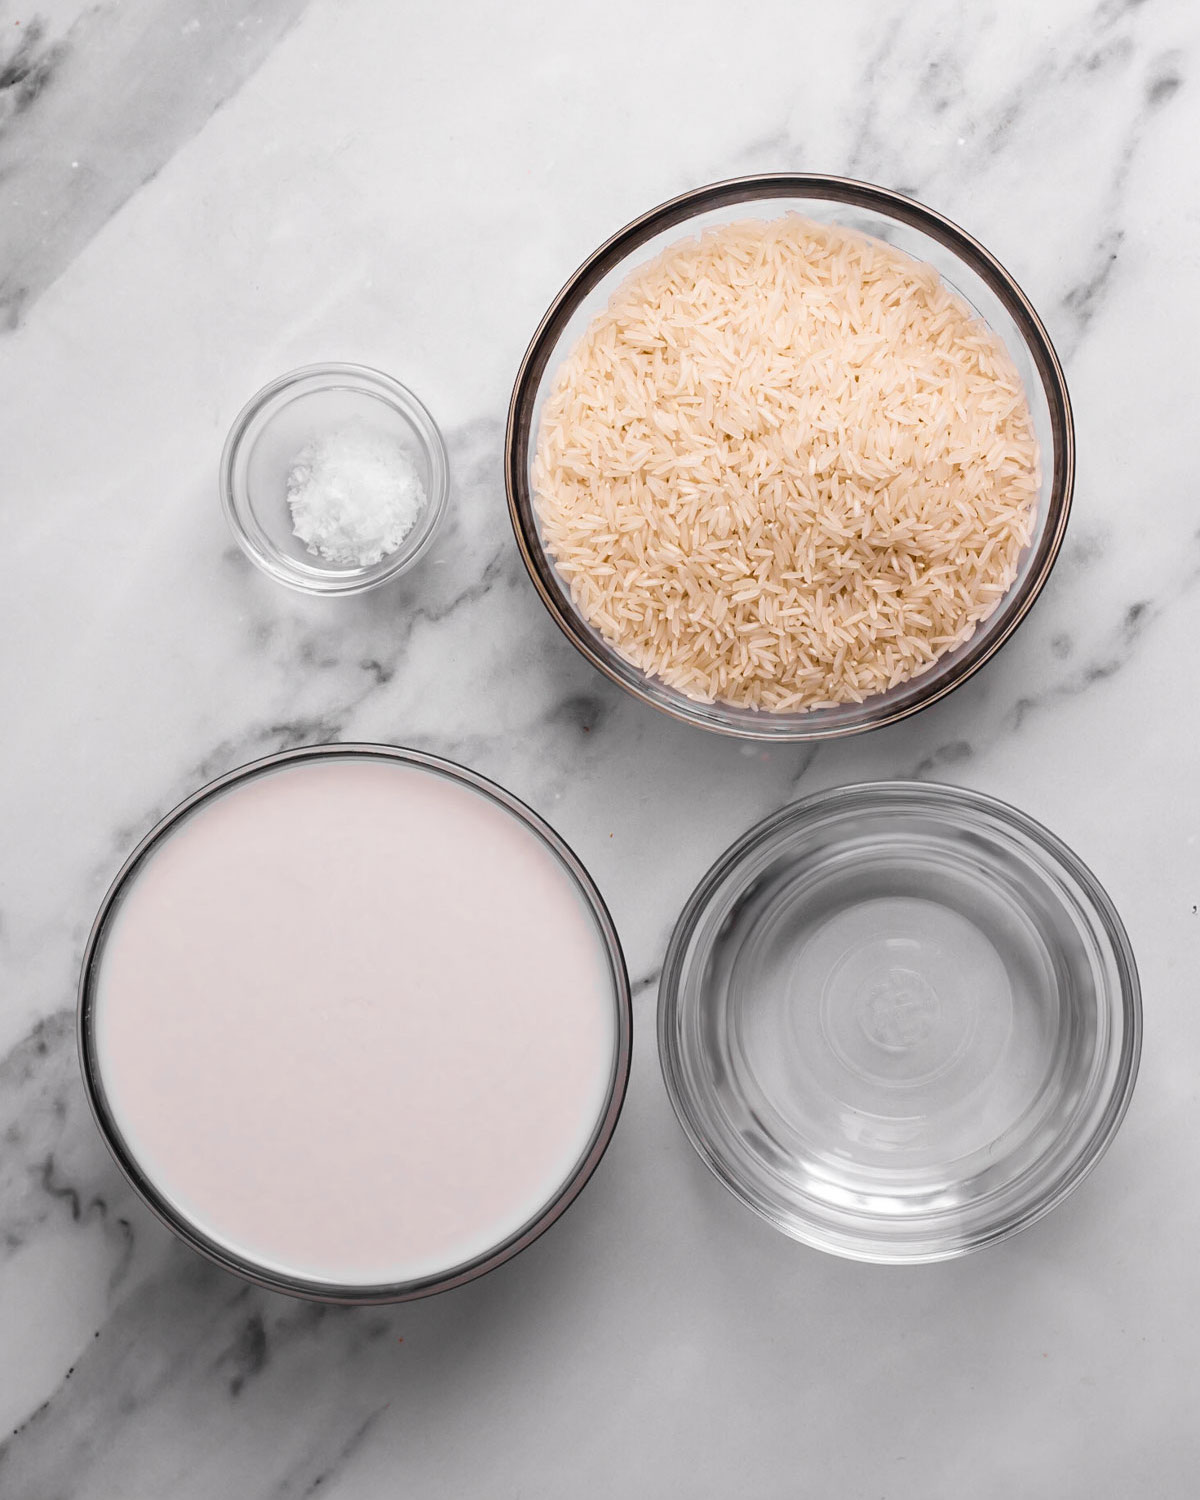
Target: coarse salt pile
[(354, 496), (786, 467)]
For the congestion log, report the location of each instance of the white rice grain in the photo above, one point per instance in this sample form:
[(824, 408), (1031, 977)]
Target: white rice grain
[(786, 468)]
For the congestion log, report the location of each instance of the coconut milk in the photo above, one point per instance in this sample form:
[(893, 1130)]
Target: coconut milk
[(355, 1021)]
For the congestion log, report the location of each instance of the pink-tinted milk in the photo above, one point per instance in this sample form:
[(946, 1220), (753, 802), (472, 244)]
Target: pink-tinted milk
[(355, 1021)]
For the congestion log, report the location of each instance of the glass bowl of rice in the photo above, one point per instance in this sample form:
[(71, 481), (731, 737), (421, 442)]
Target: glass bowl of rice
[(790, 457)]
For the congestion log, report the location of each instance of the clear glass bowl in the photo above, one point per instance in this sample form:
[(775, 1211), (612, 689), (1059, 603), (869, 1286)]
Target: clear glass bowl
[(273, 428), (156, 1195), (899, 1021), (963, 264)]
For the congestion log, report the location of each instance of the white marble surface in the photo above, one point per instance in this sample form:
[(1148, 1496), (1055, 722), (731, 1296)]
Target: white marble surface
[(193, 198)]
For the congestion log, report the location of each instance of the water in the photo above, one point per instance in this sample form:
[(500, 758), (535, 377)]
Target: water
[(892, 1017)]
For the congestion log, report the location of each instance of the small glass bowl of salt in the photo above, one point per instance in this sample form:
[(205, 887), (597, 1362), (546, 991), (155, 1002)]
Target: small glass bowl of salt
[(334, 479)]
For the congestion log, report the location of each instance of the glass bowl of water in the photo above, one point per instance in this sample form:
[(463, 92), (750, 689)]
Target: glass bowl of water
[(900, 1021)]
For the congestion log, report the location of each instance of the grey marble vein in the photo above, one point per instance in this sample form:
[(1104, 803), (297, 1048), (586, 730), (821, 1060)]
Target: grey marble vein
[(313, 1471), (397, 185), (47, 1165), (73, 149), (958, 125)]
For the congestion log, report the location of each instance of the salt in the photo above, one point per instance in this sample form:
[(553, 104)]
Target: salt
[(354, 496)]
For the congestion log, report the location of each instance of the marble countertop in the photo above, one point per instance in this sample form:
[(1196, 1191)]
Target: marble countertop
[(195, 198)]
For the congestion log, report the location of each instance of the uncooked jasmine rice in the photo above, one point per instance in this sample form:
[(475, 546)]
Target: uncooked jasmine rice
[(786, 467)]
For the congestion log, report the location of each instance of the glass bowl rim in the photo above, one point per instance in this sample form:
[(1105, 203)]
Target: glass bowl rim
[(854, 1242), (677, 211), (246, 1268), (338, 375)]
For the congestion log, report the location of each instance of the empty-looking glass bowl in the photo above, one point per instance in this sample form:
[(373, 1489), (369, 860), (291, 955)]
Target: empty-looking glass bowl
[(899, 1021)]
